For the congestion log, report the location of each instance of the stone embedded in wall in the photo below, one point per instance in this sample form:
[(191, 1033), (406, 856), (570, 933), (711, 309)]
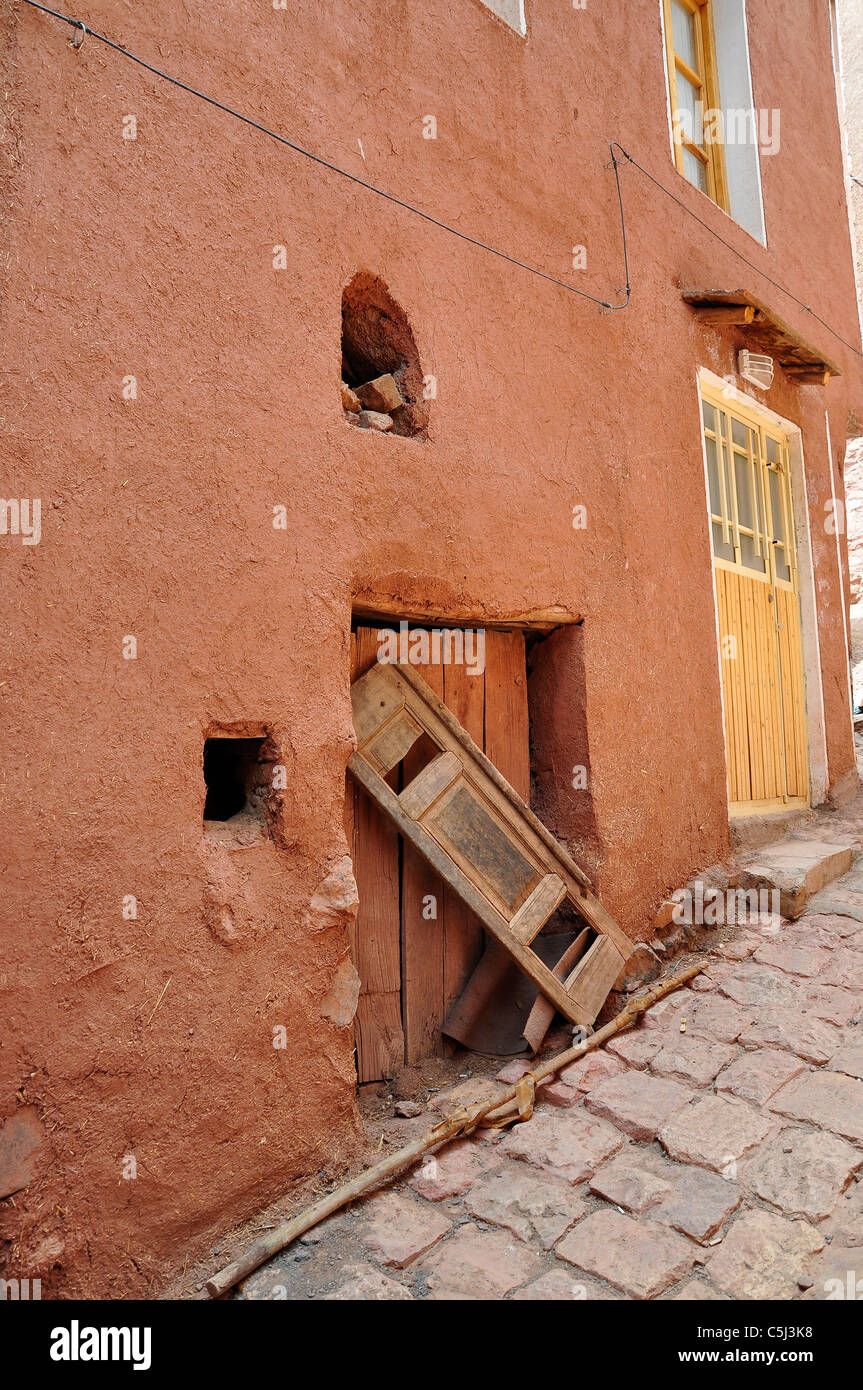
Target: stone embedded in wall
[(335, 897), (350, 401), (372, 420), (641, 967), (340, 1002), (380, 394), (46, 1253), (22, 1141)]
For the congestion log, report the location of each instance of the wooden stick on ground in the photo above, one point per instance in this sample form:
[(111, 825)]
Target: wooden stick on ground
[(510, 1104)]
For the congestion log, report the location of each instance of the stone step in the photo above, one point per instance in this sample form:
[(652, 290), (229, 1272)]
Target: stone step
[(797, 869)]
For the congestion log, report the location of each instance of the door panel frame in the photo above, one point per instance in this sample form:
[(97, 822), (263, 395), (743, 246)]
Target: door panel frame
[(816, 734)]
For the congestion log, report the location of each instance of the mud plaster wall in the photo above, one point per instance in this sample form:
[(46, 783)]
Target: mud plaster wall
[(155, 258)]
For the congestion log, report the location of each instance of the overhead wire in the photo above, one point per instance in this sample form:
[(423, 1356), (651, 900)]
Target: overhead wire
[(614, 146)]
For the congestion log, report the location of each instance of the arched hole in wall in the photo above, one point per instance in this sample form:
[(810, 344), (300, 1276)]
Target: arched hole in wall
[(382, 379)]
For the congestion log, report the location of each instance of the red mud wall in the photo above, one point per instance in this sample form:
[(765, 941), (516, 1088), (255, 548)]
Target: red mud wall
[(153, 1036)]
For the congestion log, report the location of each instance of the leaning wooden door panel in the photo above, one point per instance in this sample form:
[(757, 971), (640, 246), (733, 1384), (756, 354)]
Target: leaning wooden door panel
[(464, 695), (483, 839), (424, 918)]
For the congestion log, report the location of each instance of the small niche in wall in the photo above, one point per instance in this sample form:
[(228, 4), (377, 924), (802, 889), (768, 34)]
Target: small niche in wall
[(237, 786), (382, 380)]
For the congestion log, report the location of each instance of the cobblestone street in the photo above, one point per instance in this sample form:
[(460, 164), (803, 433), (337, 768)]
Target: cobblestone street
[(713, 1151)]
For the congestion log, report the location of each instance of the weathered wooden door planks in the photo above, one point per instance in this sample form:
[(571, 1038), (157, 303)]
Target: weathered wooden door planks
[(481, 837), (438, 951)]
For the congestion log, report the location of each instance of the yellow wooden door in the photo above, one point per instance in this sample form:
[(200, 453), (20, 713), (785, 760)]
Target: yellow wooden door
[(757, 591)]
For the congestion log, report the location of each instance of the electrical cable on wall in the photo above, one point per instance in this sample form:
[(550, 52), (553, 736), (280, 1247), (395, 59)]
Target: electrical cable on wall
[(83, 29)]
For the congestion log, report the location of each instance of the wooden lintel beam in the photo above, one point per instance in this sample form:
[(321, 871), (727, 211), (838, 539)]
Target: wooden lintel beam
[(531, 619), (726, 315), (808, 377)]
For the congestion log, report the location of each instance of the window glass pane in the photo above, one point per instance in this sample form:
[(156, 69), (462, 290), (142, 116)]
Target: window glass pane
[(776, 507), (695, 170), (748, 555), (708, 414), (724, 549), (690, 112), (739, 433), (772, 450), (782, 568), (683, 33), (743, 479), (713, 477)]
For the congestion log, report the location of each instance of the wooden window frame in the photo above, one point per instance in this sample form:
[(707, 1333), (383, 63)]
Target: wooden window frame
[(764, 532), (706, 82)]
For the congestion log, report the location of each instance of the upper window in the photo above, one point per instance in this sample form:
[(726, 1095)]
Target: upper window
[(715, 128), (694, 89)]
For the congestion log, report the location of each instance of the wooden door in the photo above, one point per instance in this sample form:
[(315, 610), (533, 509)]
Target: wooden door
[(757, 593), (414, 942)]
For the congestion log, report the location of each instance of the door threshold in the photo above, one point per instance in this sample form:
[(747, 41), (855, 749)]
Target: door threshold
[(739, 809)]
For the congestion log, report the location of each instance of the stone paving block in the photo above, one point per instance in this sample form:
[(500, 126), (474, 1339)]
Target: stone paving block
[(636, 1046), (759, 986), (365, 1284), (839, 1006), (475, 1091), (398, 1230), (845, 1224), (533, 1206), (567, 1143), (756, 1076), (513, 1071), (635, 1179), (452, 1170), (849, 1059), (702, 983), (589, 1070), (698, 1203), (763, 1256), (791, 1031), (804, 933), (692, 1060), (836, 1275), (843, 920), (718, 1018), (737, 947), (561, 1284), (698, 1291), (559, 1094), (636, 1257), (825, 1098), (714, 1132), (476, 1264), (844, 969), (638, 1104), (801, 1173), (792, 960), (668, 1012)]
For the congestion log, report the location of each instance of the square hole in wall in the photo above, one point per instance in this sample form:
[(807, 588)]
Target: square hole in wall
[(232, 776)]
